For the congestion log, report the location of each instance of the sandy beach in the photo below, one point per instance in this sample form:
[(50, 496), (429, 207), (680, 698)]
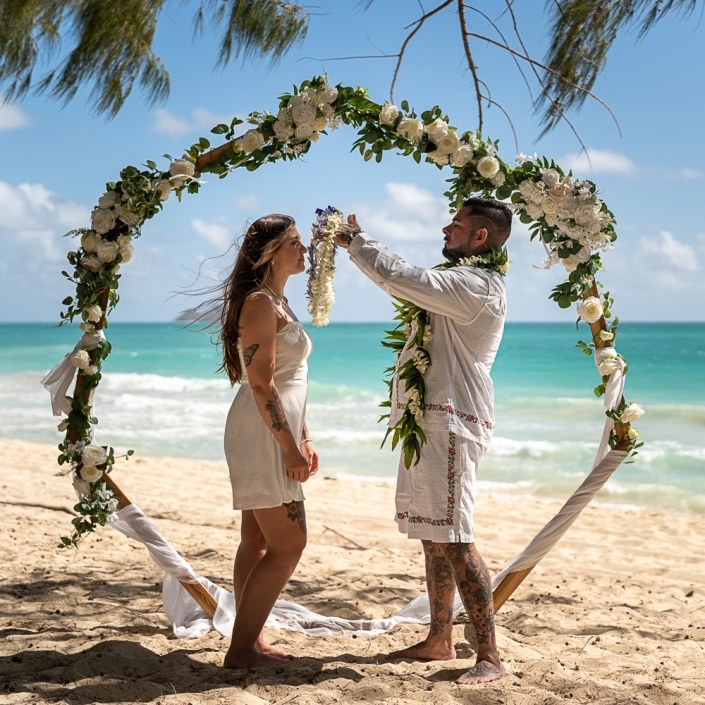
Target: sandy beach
[(615, 614)]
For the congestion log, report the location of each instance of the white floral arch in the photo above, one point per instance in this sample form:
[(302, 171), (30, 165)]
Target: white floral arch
[(564, 213)]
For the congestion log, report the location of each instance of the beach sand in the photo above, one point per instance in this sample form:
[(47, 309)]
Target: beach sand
[(615, 614)]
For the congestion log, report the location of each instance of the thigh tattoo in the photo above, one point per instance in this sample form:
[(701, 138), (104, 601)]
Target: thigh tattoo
[(295, 512)]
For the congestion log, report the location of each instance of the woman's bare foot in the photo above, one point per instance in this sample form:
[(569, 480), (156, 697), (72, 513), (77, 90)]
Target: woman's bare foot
[(423, 651), (482, 672), (265, 648), (250, 659)]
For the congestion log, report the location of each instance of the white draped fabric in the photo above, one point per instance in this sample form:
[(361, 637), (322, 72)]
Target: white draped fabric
[(61, 376)]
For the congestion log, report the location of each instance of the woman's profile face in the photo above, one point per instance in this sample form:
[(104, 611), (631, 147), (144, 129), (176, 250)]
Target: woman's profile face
[(289, 258)]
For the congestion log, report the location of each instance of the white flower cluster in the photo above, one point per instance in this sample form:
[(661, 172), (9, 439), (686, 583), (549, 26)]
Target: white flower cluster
[(413, 404), (321, 296), (571, 207), (303, 117), (449, 147)]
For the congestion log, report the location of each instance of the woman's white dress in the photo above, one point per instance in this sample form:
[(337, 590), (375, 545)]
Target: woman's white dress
[(255, 459)]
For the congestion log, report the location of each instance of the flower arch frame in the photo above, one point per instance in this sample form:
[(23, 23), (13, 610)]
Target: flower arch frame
[(563, 213)]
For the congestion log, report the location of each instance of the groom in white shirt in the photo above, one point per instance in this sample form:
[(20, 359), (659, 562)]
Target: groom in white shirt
[(435, 498)]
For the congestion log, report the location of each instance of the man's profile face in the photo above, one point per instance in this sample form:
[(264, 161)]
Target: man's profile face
[(458, 235)]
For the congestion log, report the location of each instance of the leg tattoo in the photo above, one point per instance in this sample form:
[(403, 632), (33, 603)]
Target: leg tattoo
[(440, 582), (295, 512)]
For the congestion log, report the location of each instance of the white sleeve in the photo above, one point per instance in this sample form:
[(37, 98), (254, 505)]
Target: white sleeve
[(458, 293)]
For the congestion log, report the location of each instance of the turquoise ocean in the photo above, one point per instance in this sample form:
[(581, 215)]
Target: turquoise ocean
[(160, 396)]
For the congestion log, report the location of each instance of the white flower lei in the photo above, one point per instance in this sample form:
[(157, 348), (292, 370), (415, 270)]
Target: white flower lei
[(321, 253)]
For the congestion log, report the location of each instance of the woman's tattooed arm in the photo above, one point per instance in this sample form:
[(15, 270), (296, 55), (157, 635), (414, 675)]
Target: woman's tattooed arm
[(276, 412), (249, 352)]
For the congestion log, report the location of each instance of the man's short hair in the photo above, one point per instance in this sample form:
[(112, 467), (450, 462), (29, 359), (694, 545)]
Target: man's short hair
[(499, 214)]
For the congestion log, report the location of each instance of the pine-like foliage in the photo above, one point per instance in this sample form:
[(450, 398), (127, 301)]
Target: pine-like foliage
[(111, 43)]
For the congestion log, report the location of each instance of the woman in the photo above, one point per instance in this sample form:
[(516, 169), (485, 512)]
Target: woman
[(267, 445)]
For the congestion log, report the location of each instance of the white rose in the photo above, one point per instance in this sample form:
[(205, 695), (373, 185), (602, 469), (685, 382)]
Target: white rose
[(102, 220), (632, 434), (585, 214), (90, 473), (124, 240), (129, 218), (487, 167), (107, 251), (314, 137), (631, 413), (283, 130), (388, 114), (304, 114), (410, 129), (570, 263), (303, 132), (550, 177), (63, 426), (329, 94), (91, 370), (590, 309), (499, 178), (610, 365), (606, 335), (284, 116), (449, 143), (549, 205), (93, 313), (560, 190), (94, 455), (551, 219), (90, 241), (108, 199), (439, 158), (163, 186), (80, 359), (462, 155), (251, 141), (182, 167), (126, 253), (320, 123), (437, 130)]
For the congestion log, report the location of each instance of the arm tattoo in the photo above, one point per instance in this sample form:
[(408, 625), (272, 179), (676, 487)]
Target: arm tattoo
[(249, 353), (276, 412), (304, 433), (295, 512)]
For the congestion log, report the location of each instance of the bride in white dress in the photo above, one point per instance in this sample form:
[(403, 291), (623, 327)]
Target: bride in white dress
[(267, 444)]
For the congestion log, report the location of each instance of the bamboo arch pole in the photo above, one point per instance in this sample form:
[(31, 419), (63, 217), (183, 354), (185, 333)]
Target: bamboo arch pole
[(204, 599), (512, 581)]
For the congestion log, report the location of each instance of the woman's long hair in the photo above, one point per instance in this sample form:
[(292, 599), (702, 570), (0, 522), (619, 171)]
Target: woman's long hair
[(262, 239)]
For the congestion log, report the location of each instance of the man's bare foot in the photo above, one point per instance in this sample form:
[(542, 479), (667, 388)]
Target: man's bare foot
[(423, 651), (482, 672), (250, 659), (275, 651)]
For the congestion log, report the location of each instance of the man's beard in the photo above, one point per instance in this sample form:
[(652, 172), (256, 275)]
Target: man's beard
[(451, 255)]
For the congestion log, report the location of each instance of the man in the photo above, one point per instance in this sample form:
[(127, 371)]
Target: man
[(435, 498)]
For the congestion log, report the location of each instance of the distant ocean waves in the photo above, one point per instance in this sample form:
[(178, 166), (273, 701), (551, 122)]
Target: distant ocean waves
[(543, 446)]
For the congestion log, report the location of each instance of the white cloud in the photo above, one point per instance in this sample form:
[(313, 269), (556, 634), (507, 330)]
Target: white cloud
[(688, 173), (214, 232), (598, 161), (247, 201), (34, 219), (12, 117), (674, 254), (201, 120), (409, 213)]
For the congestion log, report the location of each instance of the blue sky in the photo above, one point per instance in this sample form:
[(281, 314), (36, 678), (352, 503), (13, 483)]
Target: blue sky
[(56, 160)]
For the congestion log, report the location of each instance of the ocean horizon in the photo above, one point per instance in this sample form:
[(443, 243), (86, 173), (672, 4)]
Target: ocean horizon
[(161, 396)]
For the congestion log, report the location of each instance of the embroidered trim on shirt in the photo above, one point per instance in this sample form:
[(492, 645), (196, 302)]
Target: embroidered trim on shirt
[(450, 410), (450, 508)]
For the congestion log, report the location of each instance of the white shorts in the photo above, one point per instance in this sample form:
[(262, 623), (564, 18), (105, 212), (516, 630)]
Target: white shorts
[(435, 499)]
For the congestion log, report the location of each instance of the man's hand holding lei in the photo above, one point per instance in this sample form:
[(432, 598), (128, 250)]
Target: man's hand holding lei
[(321, 255)]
